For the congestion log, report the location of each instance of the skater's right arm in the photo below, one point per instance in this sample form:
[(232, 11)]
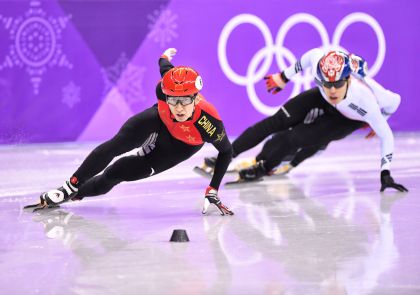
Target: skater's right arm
[(309, 59), (165, 61), (276, 82), (164, 66)]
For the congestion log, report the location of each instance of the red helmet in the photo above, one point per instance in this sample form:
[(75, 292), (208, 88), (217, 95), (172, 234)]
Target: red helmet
[(181, 81)]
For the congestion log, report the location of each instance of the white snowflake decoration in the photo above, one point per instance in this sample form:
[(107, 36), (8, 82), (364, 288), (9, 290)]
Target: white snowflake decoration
[(35, 43), (128, 79), (5, 91), (112, 74), (71, 94), (16, 135), (130, 85), (162, 26)]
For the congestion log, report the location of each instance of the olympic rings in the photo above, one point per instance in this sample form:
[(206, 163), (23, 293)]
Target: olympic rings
[(281, 53)]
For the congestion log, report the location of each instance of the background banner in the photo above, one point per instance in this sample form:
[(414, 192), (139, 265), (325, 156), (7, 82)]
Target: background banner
[(76, 70)]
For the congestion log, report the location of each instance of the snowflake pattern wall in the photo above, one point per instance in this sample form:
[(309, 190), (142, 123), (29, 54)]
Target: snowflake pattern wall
[(71, 94), (128, 78), (162, 26), (35, 43)]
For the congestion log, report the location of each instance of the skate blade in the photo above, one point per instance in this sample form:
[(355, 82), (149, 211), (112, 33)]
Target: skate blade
[(277, 176), (242, 182), (200, 171), (47, 207), (31, 206), (37, 207), (280, 172)]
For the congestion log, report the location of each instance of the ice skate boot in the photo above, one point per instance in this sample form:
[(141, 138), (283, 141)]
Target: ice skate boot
[(283, 169), (243, 164), (251, 174), (55, 197), (207, 168), (254, 172)]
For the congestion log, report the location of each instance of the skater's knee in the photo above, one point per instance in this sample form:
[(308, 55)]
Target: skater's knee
[(269, 125), (289, 140), (106, 182), (111, 175), (98, 185), (234, 152)]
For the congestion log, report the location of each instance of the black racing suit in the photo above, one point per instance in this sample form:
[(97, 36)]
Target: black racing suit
[(297, 157), (332, 125), (162, 141)]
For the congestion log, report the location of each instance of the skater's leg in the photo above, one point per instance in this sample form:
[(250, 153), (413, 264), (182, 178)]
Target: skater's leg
[(311, 137), (305, 153), (325, 129), (270, 150), (125, 169), (300, 156), (168, 153), (290, 114), (131, 135)]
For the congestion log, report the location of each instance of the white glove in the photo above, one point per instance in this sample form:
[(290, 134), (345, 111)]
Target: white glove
[(169, 53), (211, 198)]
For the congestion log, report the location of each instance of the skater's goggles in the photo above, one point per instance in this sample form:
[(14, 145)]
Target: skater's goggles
[(183, 100), (329, 85)]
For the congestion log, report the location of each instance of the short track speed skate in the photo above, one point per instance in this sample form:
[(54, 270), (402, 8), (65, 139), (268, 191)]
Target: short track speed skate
[(207, 169), (52, 198), (241, 181), (42, 205), (252, 173)]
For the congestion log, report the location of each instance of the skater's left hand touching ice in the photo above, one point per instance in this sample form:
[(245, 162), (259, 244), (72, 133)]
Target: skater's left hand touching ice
[(388, 181), (211, 198)]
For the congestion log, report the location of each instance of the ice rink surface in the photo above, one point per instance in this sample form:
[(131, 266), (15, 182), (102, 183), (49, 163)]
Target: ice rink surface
[(322, 229)]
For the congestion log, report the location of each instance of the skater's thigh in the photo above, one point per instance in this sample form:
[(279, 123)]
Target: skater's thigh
[(137, 129), (129, 168), (318, 133), (325, 129), (279, 137), (169, 152)]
